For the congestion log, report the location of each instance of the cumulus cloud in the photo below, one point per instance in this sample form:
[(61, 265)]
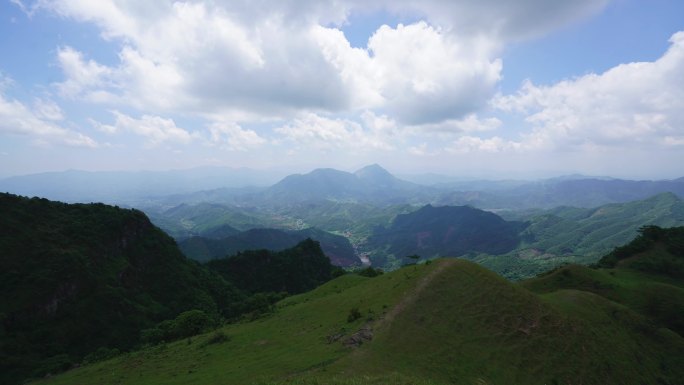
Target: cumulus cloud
[(324, 133), (233, 137), (633, 104), (155, 128), (429, 76), (18, 119), (417, 72), (471, 123), (81, 75), (202, 58), (246, 60)]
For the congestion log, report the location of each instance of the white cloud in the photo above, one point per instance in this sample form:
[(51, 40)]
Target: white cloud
[(419, 73), (429, 76), (155, 128), (18, 119), (48, 110), (471, 123), (201, 58), (467, 144), (248, 61), (82, 75), (635, 104), (312, 130), (233, 137), (422, 150)]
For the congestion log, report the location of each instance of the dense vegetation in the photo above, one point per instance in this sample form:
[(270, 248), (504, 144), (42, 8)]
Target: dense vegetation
[(294, 270), (447, 230), (78, 277), (336, 247), (668, 260), (85, 278)]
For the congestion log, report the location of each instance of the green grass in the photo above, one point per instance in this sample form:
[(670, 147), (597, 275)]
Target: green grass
[(449, 322), (291, 342), (657, 297)]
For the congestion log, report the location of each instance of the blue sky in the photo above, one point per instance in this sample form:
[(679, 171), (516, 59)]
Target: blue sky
[(492, 88)]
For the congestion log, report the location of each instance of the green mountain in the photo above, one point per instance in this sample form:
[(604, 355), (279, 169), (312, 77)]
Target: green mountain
[(91, 280), (295, 270), (447, 322), (336, 247), (594, 232), (78, 277), (442, 231)]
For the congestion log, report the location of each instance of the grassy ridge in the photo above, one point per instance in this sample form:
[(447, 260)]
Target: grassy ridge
[(291, 342), (472, 326)]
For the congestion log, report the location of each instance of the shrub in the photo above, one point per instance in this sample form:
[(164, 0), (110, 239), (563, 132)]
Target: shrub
[(218, 337), (354, 314), (370, 272), (191, 323), (101, 354)]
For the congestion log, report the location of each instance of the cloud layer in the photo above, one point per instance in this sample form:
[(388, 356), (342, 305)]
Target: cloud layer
[(281, 77)]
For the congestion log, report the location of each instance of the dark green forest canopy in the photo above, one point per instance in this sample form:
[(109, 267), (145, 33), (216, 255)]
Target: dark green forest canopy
[(78, 277), (294, 270)]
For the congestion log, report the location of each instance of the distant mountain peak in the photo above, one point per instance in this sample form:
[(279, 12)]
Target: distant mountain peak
[(373, 171)]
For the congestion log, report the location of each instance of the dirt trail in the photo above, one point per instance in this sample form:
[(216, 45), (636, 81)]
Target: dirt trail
[(411, 298)]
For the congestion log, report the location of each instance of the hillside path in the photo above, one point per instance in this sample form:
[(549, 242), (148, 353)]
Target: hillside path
[(411, 298)]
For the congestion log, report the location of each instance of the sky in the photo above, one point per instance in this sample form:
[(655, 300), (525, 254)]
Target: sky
[(487, 88)]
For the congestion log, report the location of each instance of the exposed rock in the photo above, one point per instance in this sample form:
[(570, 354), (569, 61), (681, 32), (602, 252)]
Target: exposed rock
[(357, 339)]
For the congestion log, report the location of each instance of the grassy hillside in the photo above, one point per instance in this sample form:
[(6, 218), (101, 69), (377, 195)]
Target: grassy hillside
[(449, 322), (292, 341)]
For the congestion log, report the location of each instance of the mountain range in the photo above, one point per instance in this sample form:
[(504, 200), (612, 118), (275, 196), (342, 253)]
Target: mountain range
[(370, 185), (132, 186)]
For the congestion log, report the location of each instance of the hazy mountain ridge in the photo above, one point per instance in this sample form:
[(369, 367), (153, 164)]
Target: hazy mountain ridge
[(563, 192), (371, 184), (132, 186)]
